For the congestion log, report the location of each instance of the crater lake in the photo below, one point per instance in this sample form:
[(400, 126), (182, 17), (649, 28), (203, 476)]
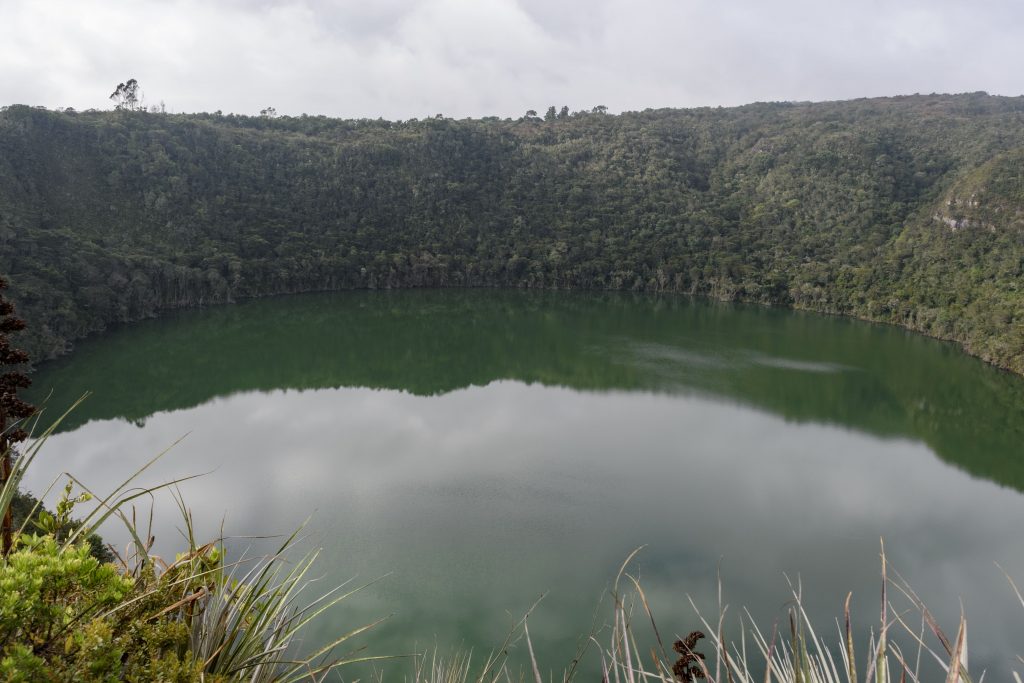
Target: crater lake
[(467, 451)]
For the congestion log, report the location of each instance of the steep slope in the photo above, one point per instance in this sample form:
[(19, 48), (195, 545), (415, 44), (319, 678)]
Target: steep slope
[(960, 263)]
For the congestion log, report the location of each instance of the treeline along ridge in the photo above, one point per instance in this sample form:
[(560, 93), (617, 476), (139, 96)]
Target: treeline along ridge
[(904, 210)]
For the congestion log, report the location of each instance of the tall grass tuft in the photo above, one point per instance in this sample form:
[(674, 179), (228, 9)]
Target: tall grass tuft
[(795, 653), (216, 620)]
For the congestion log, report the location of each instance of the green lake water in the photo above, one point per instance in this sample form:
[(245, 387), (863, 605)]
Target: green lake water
[(480, 448)]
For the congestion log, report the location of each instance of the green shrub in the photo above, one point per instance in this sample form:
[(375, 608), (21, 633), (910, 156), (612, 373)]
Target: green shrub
[(65, 616)]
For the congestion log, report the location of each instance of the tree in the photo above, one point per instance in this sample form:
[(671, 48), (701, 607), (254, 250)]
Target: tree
[(268, 113), (564, 113), (126, 96), (600, 109), (531, 113), (13, 411), (550, 114)]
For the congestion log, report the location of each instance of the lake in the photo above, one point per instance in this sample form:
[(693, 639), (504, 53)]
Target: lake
[(477, 449)]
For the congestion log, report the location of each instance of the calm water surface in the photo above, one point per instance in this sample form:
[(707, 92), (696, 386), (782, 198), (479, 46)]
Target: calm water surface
[(481, 448)]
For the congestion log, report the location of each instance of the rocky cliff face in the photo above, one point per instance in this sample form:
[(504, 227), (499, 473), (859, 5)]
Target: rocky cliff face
[(990, 197)]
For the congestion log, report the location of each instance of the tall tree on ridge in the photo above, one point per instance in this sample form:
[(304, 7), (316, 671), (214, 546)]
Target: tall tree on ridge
[(126, 95)]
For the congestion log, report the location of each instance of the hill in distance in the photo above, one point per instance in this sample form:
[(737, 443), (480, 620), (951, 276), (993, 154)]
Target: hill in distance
[(906, 210)]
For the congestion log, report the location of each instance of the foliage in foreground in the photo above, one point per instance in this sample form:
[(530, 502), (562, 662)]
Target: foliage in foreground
[(795, 653), (67, 616), (57, 614), (907, 644)]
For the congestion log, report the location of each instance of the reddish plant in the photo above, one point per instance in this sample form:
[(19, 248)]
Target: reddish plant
[(13, 411)]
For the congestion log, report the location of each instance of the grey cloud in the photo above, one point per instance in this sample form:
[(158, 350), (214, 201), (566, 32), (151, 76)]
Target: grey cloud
[(404, 58)]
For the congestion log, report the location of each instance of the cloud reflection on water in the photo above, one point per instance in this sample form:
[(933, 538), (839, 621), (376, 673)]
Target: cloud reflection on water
[(480, 499)]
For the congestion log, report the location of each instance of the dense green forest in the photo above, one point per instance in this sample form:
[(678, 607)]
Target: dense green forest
[(906, 210)]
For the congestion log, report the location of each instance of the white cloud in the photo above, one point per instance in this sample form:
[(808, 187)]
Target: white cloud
[(403, 58)]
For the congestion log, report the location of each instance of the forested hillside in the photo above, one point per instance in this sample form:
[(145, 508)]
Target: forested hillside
[(907, 210)]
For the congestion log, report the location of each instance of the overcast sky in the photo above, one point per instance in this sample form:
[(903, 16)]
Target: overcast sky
[(415, 58)]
